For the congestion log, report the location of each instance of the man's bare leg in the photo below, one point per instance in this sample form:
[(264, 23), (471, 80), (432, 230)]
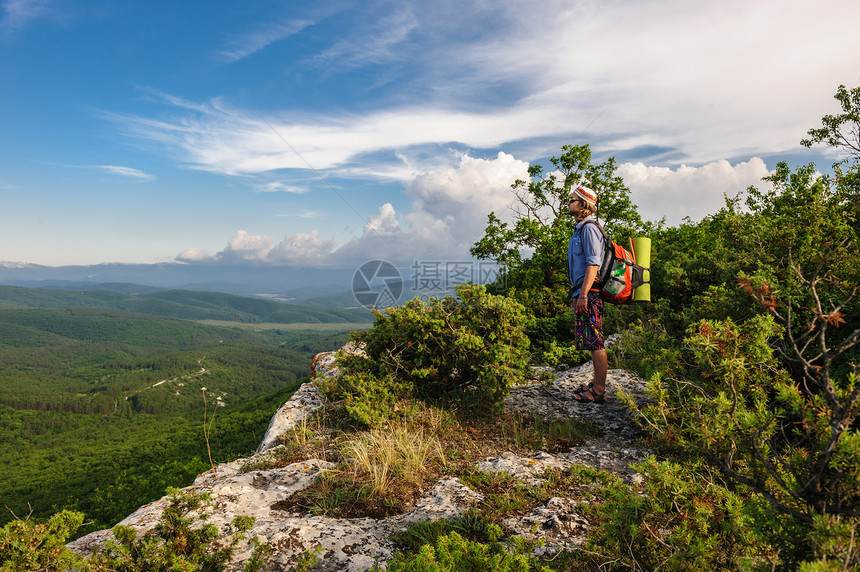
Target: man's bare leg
[(601, 365)]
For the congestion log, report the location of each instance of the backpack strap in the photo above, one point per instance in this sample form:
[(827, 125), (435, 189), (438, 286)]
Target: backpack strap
[(598, 225)]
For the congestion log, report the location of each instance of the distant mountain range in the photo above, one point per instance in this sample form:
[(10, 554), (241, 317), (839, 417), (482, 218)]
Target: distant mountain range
[(276, 282)]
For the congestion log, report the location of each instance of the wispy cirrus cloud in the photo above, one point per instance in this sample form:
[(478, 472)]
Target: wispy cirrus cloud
[(612, 69), (17, 14), (218, 138), (244, 45), (127, 172), (382, 41), (118, 170), (278, 187), (302, 214)]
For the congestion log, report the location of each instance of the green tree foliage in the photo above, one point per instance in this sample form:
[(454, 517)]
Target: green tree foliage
[(841, 130), (112, 465), (532, 250)]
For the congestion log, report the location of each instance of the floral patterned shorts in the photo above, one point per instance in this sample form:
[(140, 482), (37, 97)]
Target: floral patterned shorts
[(589, 326)]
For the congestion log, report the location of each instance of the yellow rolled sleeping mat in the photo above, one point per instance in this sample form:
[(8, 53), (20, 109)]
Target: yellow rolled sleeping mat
[(641, 250)]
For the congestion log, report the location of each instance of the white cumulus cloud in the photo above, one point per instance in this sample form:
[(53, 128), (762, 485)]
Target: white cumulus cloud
[(448, 214), (302, 249), (244, 247), (193, 254), (694, 192)]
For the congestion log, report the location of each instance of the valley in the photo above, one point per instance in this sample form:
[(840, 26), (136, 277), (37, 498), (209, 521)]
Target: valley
[(102, 408)]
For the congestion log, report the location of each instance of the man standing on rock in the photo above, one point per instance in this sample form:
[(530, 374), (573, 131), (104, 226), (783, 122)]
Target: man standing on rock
[(584, 257)]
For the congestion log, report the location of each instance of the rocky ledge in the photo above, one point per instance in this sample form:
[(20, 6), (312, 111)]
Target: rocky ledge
[(358, 543)]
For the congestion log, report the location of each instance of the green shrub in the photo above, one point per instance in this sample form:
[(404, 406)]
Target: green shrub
[(453, 553), (470, 348), (687, 521), (727, 400), (552, 339), (307, 560), (178, 542), (31, 545), (473, 525)]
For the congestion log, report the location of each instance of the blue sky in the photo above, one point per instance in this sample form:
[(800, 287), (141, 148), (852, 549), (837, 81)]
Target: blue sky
[(329, 133)]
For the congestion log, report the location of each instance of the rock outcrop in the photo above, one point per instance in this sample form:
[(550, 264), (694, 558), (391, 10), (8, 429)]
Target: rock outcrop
[(356, 544)]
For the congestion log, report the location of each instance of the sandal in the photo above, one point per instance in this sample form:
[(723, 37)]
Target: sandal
[(583, 388), (594, 397)]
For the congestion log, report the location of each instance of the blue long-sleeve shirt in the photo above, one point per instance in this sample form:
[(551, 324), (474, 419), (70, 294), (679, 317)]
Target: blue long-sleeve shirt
[(586, 248)]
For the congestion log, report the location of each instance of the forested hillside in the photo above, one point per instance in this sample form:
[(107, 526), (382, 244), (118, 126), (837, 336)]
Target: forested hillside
[(102, 409), (186, 304)]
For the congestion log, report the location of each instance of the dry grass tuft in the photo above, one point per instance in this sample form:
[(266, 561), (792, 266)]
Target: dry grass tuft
[(394, 451)]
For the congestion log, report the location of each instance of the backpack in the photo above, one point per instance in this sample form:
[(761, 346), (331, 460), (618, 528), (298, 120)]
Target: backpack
[(619, 274)]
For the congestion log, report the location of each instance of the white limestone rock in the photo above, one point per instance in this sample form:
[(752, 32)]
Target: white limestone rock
[(526, 469), (303, 402), (557, 521), (306, 399)]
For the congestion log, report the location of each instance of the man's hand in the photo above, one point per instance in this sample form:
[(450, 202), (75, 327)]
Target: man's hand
[(581, 304)]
